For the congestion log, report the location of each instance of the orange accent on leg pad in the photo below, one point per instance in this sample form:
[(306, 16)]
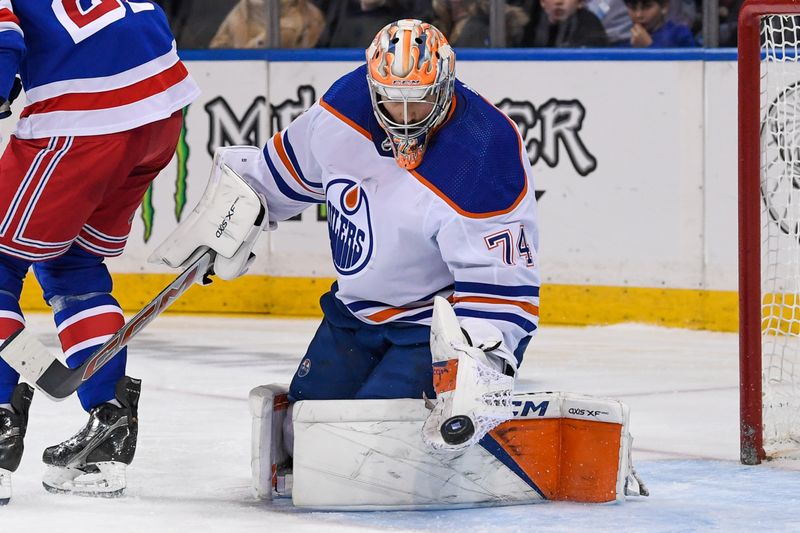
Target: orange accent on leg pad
[(589, 460), (444, 375), (567, 459), (535, 446)]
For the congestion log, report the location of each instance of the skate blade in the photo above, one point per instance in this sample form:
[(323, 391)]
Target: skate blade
[(106, 481), (5, 486)]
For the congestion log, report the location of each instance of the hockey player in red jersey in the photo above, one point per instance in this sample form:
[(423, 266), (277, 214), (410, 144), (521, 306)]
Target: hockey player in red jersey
[(104, 92)]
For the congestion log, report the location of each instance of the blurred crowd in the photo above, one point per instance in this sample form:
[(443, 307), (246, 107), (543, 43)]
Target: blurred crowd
[(528, 23)]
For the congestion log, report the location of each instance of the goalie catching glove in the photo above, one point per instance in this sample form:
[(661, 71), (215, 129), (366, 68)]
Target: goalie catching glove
[(473, 375), (227, 219)]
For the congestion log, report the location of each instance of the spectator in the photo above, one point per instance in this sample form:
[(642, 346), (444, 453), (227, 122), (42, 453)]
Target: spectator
[(450, 16), (686, 13), (651, 27), (467, 22), (301, 24), (614, 16), (565, 24), (728, 22), (194, 22), (354, 23)]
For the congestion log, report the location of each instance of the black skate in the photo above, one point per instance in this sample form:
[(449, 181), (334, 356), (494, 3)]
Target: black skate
[(12, 433), (93, 461)]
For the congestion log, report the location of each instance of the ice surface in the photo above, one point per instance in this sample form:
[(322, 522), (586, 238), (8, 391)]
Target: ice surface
[(191, 471)]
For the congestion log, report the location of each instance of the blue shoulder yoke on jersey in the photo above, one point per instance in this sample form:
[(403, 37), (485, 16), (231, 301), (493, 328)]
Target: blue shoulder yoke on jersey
[(348, 98), (474, 161)]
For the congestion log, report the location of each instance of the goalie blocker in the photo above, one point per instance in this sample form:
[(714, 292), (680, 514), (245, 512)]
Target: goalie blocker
[(369, 454), (228, 218)]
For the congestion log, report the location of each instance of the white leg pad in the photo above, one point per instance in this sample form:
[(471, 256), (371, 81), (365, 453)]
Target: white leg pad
[(369, 455), (268, 407)]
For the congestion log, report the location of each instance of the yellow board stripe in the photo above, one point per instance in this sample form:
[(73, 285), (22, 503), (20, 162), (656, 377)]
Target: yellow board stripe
[(678, 308), (560, 304)]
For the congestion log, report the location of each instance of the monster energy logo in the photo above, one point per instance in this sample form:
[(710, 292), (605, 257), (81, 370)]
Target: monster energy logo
[(182, 153), (546, 130)]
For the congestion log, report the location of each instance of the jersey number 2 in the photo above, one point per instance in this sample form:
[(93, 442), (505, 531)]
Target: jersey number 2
[(84, 18)]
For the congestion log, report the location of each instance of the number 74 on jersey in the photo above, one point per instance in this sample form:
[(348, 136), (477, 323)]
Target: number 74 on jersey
[(509, 248)]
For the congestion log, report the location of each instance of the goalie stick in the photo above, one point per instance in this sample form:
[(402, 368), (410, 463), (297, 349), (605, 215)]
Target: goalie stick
[(34, 361)]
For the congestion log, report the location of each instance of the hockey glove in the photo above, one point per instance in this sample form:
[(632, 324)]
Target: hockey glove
[(5, 103), (227, 219), (473, 388)]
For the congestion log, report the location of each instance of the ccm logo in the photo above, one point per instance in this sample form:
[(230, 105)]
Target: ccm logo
[(586, 412), (226, 219), (530, 408)]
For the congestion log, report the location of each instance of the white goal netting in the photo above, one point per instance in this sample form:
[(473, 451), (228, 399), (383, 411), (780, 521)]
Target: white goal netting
[(780, 232)]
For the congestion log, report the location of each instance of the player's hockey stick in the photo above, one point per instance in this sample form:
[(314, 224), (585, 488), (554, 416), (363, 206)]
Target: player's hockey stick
[(34, 361)]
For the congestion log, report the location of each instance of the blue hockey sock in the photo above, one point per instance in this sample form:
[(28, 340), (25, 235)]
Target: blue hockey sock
[(83, 326), (10, 321), (12, 273)]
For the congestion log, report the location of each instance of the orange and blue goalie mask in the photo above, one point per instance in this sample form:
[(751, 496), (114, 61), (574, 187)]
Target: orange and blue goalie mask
[(411, 74)]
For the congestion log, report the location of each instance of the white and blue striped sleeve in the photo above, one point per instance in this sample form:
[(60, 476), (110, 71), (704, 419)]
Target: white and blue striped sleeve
[(495, 266), (291, 174)]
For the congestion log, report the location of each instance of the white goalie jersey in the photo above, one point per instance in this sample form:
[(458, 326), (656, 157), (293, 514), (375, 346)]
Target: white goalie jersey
[(462, 225)]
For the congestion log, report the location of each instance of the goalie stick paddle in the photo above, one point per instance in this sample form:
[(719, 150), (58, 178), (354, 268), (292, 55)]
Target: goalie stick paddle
[(34, 361)]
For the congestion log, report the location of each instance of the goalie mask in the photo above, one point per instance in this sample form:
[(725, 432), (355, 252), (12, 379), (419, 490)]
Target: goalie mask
[(411, 73)]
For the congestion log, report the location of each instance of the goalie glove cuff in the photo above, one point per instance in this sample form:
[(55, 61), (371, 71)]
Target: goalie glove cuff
[(229, 268), (489, 339)]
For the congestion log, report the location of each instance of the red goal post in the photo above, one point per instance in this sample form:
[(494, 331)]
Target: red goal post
[(769, 228)]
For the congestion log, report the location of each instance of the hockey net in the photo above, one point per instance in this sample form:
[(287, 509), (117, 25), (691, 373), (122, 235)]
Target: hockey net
[(769, 231)]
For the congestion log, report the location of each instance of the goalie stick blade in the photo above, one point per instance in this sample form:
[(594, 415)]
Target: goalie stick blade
[(25, 354), (33, 360)]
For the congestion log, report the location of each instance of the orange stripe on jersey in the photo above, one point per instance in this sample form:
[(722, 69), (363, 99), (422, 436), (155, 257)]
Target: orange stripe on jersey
[(344, 119), (468, 214), (525, 306), (386, 314), (444, 376), (278, 141), (114, 98)]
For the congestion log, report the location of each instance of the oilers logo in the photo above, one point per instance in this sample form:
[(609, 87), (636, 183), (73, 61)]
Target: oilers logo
[(305, 368), (349, 226)]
